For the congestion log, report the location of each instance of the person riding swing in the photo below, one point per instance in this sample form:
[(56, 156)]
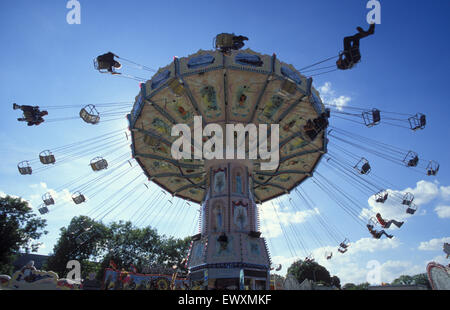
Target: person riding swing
[(351, 54), (108, 63), (387, 224), (377, 234), (32, 115)]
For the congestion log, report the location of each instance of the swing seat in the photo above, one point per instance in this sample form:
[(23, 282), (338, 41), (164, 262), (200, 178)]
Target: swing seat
[(381, 197), (371, 118), (224, 41), (90, 115), (412, 208), (432, 168), (408, 199), (46, 157), (98, 164), (48, 199), (411, 159), (363, 166), (78, 198), (43, 210), (417, 121), (24, 168)]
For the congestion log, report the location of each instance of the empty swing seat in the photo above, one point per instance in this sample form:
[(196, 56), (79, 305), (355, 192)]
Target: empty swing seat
[(412, 208), (98, 164), (407, 199), (78, 198), (43, 210), (417, 121), (48, 199), (381, 197), (24, 168), (90, 115), (342, 250), (46, 157), (371, 118), (363, 166)]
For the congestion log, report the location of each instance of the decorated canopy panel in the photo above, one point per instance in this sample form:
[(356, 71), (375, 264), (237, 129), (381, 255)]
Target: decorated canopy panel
[(244, 87)]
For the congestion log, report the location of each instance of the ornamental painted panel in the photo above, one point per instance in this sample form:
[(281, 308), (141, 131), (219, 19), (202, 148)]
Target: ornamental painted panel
[(219, 181), (240, 215)]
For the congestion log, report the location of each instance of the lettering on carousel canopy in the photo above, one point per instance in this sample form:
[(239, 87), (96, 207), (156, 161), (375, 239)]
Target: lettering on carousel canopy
[(235, 135)]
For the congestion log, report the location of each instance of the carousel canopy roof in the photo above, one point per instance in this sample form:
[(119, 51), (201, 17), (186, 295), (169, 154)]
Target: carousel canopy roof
[(240, 87)]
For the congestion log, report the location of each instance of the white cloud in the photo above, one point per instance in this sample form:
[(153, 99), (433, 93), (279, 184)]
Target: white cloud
[(271, 216), (59, 197), (433, 244), (346, 266), (441, 259), (443, 211), (325, 89), (329, 97), (445, 192), (391, 270), (424, 192)]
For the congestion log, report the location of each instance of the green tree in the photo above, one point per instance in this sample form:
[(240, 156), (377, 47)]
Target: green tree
[(302, 270), (19, 228), (335, 281), (142, 247), (349, 286), (352, 286), (422, 279), (418, 279), (174, 251), (362, 286), (120, 242), (69, 246), (403, 280)]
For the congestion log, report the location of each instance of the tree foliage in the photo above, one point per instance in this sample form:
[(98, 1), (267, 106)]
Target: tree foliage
[(311, 270), (418, 279), (352, 286), (19, 228), (120, 242), (67, 248)]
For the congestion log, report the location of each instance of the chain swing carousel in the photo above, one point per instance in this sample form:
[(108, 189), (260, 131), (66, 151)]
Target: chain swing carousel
[(223, 86), (228, 87)]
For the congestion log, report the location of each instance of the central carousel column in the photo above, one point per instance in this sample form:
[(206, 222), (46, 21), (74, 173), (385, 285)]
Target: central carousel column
[(229, 253)]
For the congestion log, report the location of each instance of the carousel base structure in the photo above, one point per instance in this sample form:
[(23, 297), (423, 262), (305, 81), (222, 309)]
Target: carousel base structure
[(243, 261), (229, 252)]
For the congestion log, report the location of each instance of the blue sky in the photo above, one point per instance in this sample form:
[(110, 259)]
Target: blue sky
[(47, 62)]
